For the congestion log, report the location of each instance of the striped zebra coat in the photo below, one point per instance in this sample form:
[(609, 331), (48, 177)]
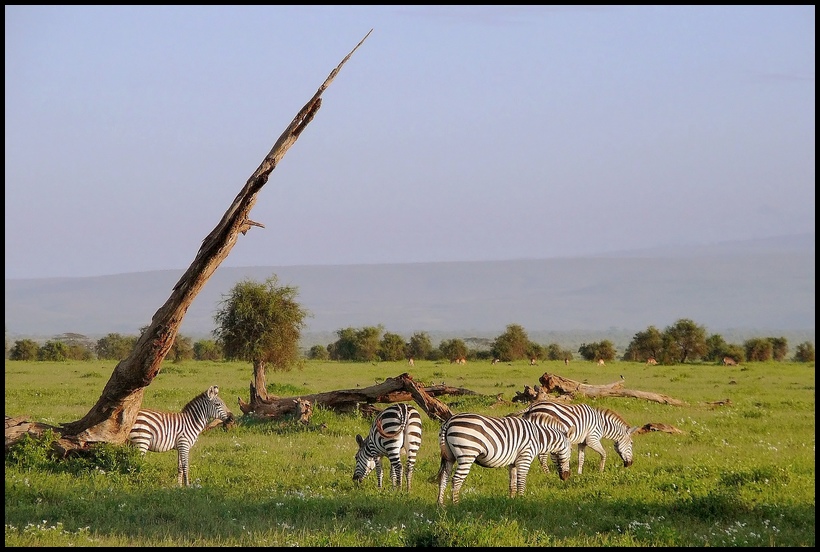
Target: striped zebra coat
[(396, 430), (492, 442), (586, 426), (159, 431)]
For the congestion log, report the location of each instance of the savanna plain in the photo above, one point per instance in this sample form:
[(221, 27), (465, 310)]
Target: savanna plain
[(739, 474)]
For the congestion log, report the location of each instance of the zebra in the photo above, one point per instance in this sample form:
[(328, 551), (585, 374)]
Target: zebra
[(396, 429), (492, 442), (586, 426), (159, 431)]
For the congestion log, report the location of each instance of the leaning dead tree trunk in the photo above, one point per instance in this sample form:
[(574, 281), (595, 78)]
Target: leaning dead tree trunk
[(399, 389), (111, 418)]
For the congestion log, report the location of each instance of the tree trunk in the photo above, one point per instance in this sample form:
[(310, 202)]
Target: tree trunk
[(564, 386), (111, 418), (399, 389), (259, 389)]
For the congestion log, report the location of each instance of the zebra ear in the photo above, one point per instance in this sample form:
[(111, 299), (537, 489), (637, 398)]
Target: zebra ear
[(213, 391), (359, 440)]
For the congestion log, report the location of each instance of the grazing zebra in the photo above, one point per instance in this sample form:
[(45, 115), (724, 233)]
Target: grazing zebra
[(729, 361), (586, 426), (395, 430), (163, 431), (492, 442)]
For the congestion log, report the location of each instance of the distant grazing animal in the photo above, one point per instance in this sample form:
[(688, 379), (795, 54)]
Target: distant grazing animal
[(532, 362), (410, 362), (396, 429), (492, 442), (586, 426), (601, 362), (729, 361), (163, 431), (651, 361)]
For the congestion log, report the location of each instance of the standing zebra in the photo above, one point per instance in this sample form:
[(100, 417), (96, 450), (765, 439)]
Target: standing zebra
[(586, 426), (163, 431), (395, 430), (493, 442)]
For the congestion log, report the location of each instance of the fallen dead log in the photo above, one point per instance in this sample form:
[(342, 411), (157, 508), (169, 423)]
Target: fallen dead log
[(656, 426), (399, 389), (563, 386), (531, 394)]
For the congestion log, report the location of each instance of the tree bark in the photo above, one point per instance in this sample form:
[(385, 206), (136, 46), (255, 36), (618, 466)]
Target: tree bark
[(111, 418), (399, 389), (563, 386), (259, 390)]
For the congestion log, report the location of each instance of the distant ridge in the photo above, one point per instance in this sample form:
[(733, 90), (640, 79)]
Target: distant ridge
[(755, 285)]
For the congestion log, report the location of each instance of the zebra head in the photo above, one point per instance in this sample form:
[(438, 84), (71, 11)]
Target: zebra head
[(215, 407), (365, 462), (623, 446)]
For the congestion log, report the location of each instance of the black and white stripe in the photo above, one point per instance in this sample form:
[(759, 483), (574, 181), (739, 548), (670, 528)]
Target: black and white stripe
[(586, 426), (492, 442), (159, 431), (395, 430)]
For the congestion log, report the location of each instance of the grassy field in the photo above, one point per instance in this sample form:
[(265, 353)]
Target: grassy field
[(739, 475)]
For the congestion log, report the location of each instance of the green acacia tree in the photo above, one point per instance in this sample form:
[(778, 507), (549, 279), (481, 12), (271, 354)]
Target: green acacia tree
[(24, 349), (511, 345), (453, 349), (644, 345), (115, 346), (261, 323), (684, 340), (392, 347), (207, 349), (804, 352), (420, 346)]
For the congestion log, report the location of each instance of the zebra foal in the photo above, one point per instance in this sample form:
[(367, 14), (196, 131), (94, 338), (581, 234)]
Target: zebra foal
[(492, 442), (160, 431), (586, 426), (396, 429)]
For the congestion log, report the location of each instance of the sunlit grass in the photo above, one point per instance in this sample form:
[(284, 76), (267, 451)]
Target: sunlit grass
[(739, 475)]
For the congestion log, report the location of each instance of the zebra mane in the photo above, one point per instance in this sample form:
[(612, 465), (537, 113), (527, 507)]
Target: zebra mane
[(612, 414), (195, 400)]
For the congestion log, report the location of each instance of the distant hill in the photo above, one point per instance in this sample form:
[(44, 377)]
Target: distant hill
[(754, 287)]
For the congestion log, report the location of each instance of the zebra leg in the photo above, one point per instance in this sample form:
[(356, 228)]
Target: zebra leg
[(513, 480), (581, 450), (395, 472), (522, 469), (182, 464), (599, 448), (379, 472), (462, 469), (408, 475)]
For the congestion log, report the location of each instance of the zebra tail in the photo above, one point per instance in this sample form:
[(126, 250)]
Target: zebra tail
[(386, 435)]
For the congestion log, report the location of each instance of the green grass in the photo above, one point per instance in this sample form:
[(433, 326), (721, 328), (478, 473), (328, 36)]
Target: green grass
[(739, 475)]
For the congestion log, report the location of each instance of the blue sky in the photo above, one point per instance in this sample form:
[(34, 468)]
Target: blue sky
[(453, 133)]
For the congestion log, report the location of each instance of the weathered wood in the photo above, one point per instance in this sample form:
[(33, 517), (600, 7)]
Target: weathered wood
[(111, 418), (402, 388), (556, 384), (657, 426)]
